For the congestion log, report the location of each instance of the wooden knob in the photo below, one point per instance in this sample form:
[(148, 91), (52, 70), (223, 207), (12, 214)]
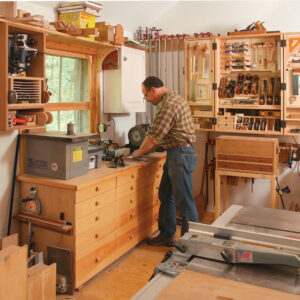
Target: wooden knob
[(157, 176), (132, 175), (159, 165), (156, 187), (97, 189), (96, 235), (131, 215), (131, 188), (131, 236), (97, 259), (131, 201), (97, 218), (96, 203)]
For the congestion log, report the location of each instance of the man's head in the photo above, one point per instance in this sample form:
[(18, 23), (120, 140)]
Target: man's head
[(153, 89)]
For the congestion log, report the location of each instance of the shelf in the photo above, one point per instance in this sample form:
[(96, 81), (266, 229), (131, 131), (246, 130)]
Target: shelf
[(20, 127), (195, 103), (45, 222), (25, 106), (272, 107), (25, 77)]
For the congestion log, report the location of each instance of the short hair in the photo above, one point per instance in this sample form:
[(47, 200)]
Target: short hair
[(152, 81)]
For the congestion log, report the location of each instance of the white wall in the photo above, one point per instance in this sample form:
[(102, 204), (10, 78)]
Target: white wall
[(175, 17)]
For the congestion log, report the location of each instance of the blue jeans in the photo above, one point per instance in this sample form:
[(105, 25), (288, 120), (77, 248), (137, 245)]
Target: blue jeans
[(175, 191)]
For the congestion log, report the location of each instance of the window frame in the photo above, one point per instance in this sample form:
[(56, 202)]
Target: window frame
[(76, 106)]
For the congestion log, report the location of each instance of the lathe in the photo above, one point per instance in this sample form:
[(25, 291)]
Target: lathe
[(255, 251)]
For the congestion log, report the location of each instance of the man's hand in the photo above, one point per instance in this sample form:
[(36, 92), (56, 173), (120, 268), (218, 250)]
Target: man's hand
[(146, 147), (136, 154)]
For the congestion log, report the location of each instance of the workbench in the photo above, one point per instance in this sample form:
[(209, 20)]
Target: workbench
[(111, 210)]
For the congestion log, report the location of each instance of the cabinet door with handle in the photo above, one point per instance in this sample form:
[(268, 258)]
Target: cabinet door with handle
[(133, 74), (122, 87)]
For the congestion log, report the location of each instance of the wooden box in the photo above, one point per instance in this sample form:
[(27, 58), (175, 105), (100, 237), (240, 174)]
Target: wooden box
[(247, 154)]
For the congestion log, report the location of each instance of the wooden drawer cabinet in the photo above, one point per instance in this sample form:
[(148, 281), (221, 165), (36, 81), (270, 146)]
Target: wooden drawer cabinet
[(111, 210), (247, 154)]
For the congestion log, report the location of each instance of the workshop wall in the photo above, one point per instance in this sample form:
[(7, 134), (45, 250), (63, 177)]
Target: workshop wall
[(174, 17)]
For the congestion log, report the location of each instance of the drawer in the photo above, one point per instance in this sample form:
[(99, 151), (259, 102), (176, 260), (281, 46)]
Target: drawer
[(143, 210), (226, 126), (86, 207), (93, 237), (132, 187), (148, 194), (95, 189), (226, 119), (101, 216), (131, 176), (156, 166), (95, 261), (242, 158), (130, 235), (244, 167)]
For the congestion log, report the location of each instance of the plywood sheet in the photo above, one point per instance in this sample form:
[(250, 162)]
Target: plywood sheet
[(194, 285)]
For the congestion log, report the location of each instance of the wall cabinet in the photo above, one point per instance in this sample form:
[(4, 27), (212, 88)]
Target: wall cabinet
[(244, 83), (111, 211), (122, 87), (25, 88)]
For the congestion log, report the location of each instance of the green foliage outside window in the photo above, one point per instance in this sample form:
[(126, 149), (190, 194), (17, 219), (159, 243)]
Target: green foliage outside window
[(67, 80)]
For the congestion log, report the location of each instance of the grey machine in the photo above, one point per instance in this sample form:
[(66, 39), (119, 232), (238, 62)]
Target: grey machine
[(246, 244)]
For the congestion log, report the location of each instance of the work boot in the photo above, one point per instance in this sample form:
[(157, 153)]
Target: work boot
[(162, 241)]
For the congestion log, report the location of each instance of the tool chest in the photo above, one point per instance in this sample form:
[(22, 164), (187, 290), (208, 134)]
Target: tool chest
[(244, 83), (247, 154)]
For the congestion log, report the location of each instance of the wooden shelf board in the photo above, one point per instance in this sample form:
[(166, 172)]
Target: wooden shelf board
[(274, 107), (25, 106), (26, 77)]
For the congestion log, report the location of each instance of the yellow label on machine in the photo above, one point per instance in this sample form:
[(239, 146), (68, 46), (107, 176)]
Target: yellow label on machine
[(77, 153)]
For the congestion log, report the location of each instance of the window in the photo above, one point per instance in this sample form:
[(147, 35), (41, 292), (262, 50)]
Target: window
[(68, 81)]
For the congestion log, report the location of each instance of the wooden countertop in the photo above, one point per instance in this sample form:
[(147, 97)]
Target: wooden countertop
[(93, 176)]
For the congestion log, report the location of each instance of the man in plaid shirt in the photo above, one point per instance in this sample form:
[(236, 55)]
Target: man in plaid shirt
[(172, 129)]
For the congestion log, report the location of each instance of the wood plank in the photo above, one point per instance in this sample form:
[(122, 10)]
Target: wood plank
[(11, 240), (194, 285), (67, 106), (13, 272), (8, 9), (42, 282)]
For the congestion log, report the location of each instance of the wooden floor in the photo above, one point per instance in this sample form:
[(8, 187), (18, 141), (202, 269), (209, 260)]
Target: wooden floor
[(127, 275)]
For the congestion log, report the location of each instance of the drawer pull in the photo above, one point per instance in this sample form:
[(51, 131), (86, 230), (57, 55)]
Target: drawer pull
[(159, 165), (97, 189), (131, 236), (131, 201), (132, 176), (131, 188), (97, 218), (96, 235), (157, 176), (96, 203), (131, 215), (156, 187), (97, 259)]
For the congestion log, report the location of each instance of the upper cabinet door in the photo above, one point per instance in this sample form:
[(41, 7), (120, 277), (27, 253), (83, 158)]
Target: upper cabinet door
[(122, 87), (133, 74), (291, 78), (199, 91)]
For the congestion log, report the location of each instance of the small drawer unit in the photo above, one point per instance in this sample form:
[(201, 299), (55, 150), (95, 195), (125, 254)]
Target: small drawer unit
[(247, 154)]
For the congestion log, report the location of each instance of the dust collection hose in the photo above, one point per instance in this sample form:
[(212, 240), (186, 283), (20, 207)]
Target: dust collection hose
[(13, 184)]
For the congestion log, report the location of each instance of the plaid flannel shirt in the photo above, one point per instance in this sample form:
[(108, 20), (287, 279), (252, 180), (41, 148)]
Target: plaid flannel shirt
[(172, 125)]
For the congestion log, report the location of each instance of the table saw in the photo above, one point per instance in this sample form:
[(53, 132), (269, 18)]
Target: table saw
[(259, 247)]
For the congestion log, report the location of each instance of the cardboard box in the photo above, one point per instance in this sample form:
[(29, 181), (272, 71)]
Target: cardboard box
[(83, 19)]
